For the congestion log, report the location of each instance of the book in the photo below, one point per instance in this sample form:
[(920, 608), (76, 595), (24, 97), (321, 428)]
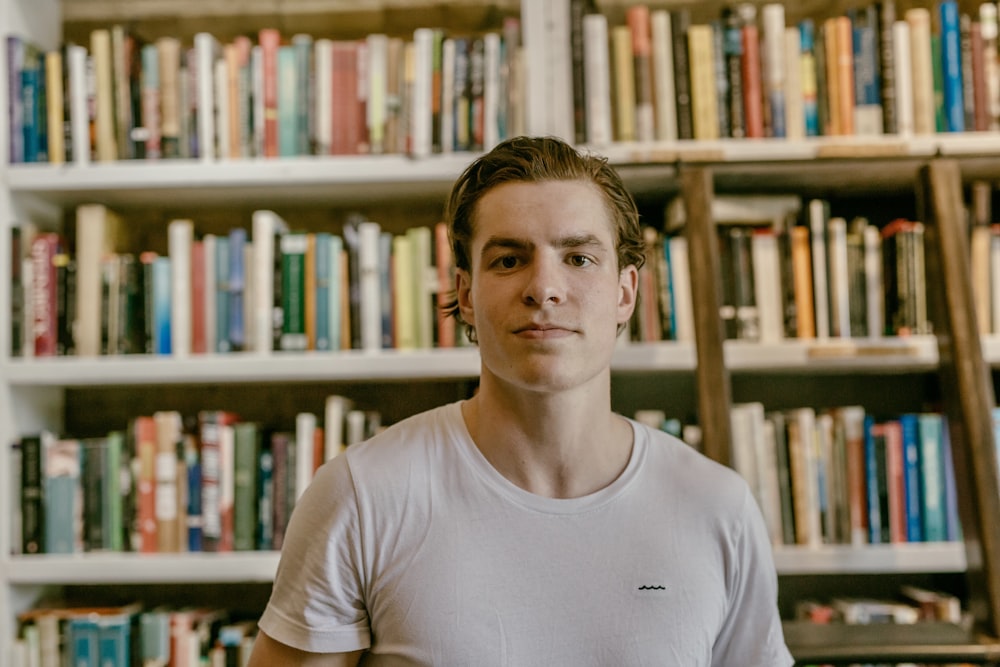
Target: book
[(951, 64), (44, 294), (245, 461), (775, 69), (100, 53), (207, 51), (704, 102), (918, 20), (638, 20), (663, 75), (168, 49), (168, 439), (99, 232), (215, 428), (63, 495), (32, 487), (597, 76), (180, 237), (55, 106), (680, 22)]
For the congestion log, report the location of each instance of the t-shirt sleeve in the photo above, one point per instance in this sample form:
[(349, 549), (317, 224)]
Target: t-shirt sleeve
[(317, 602), (751, 634)]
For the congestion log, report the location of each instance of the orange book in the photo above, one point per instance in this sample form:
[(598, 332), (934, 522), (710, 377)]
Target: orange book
[(845, 74), (199, 344), (802, 286), (269, 40), (319, 448), (753, 109)]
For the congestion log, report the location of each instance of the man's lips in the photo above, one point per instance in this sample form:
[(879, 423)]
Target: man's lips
[(543, 330)]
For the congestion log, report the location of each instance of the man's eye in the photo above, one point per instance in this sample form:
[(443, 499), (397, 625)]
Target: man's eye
[(580, 260), (506, 262)]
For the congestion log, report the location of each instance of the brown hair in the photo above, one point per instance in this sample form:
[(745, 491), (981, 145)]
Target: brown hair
[(533, 160)]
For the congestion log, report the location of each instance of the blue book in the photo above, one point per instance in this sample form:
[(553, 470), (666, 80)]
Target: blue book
[(114, 640), (161, 305), (63, 507), (154, 637), (954, 533), (83, 640), (31, 99), (911, 477), (222, 294), (875, 482), (15, 102), (192, 463), (385, 288), (810, 105), (932, 477), (951, 66), (323, 283), (237, 286), (668, 296), (336, 290), (265, 501)]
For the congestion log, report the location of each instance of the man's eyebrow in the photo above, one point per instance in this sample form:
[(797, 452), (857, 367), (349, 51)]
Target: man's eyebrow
[(571, 241)]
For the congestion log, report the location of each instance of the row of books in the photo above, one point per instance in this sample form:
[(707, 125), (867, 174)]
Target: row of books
[(843, 476), (748, 74), (272, 96), (127, 635), (210, 482), (914, 604), (276, 289), (791, 270)]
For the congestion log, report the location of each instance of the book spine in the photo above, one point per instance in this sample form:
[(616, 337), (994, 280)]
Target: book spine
[(624, 82), (32, 498), (44, 294), (680, 22), (951, 62), (732, 29), (638, 19), (245, 461), (180, 239), (753, 90), (597, 74), (663, 75), (270, 40), (773, 19)]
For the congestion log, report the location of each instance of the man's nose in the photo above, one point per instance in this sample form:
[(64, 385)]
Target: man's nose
[(544, 283)]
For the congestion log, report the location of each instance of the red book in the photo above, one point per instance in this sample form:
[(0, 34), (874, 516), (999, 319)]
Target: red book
[(270, 40), (44, 299), (198, 343), (346, 115), (144, 442), (753, 110), (895, 482)]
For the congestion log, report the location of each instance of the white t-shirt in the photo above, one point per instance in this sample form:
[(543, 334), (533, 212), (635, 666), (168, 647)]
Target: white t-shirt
[(414, 546)]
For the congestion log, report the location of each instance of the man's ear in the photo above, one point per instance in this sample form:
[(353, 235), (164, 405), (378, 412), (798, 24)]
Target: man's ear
[(463, 294), (628, 290)]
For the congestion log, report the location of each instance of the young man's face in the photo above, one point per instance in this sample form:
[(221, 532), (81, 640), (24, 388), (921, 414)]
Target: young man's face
[(544, 291)]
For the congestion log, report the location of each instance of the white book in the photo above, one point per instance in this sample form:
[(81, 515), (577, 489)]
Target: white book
[(597, 78), (222, 126), (546, 31), (840, 292), (448, 95), (773, 57), (266, 225), (491, 90), (305, 432), (874, 284), (921, 67), (334, 419), (817, 235), (744, 454), (79, 116), (901, 55), (375, 108), (370, 284), (795, 120), (180, 238), (208, 242), (805, 480), (323, 57), (765, 260), (663, 76), (766, 461), (354, 431), (421, 118), (206, 48), (680, 279)]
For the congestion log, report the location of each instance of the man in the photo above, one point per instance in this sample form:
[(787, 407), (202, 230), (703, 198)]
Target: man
[(529, 525)]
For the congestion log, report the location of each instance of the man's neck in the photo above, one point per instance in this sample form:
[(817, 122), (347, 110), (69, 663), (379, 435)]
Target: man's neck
[(563, 446)]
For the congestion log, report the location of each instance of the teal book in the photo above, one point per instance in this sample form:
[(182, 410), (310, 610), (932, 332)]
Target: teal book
[(932, 481)]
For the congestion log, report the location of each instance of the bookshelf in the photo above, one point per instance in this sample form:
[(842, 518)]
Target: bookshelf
[(47, 392)]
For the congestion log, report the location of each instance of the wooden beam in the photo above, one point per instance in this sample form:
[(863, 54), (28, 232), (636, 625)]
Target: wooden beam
[(711, 376), (966, 385)]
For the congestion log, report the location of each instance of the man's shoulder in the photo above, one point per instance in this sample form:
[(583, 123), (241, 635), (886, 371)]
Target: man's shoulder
[(406, 440), (670, 458)]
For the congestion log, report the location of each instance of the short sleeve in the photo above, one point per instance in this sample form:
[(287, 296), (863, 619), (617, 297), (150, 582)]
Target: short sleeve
[(317, 602), (751, 634)]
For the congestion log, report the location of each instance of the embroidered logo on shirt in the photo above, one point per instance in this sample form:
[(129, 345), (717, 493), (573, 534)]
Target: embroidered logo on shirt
[(653, 587)]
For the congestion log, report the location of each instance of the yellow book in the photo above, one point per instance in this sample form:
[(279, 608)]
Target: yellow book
[(624, 83), (704, 99), (104, 114), (54, 106)]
